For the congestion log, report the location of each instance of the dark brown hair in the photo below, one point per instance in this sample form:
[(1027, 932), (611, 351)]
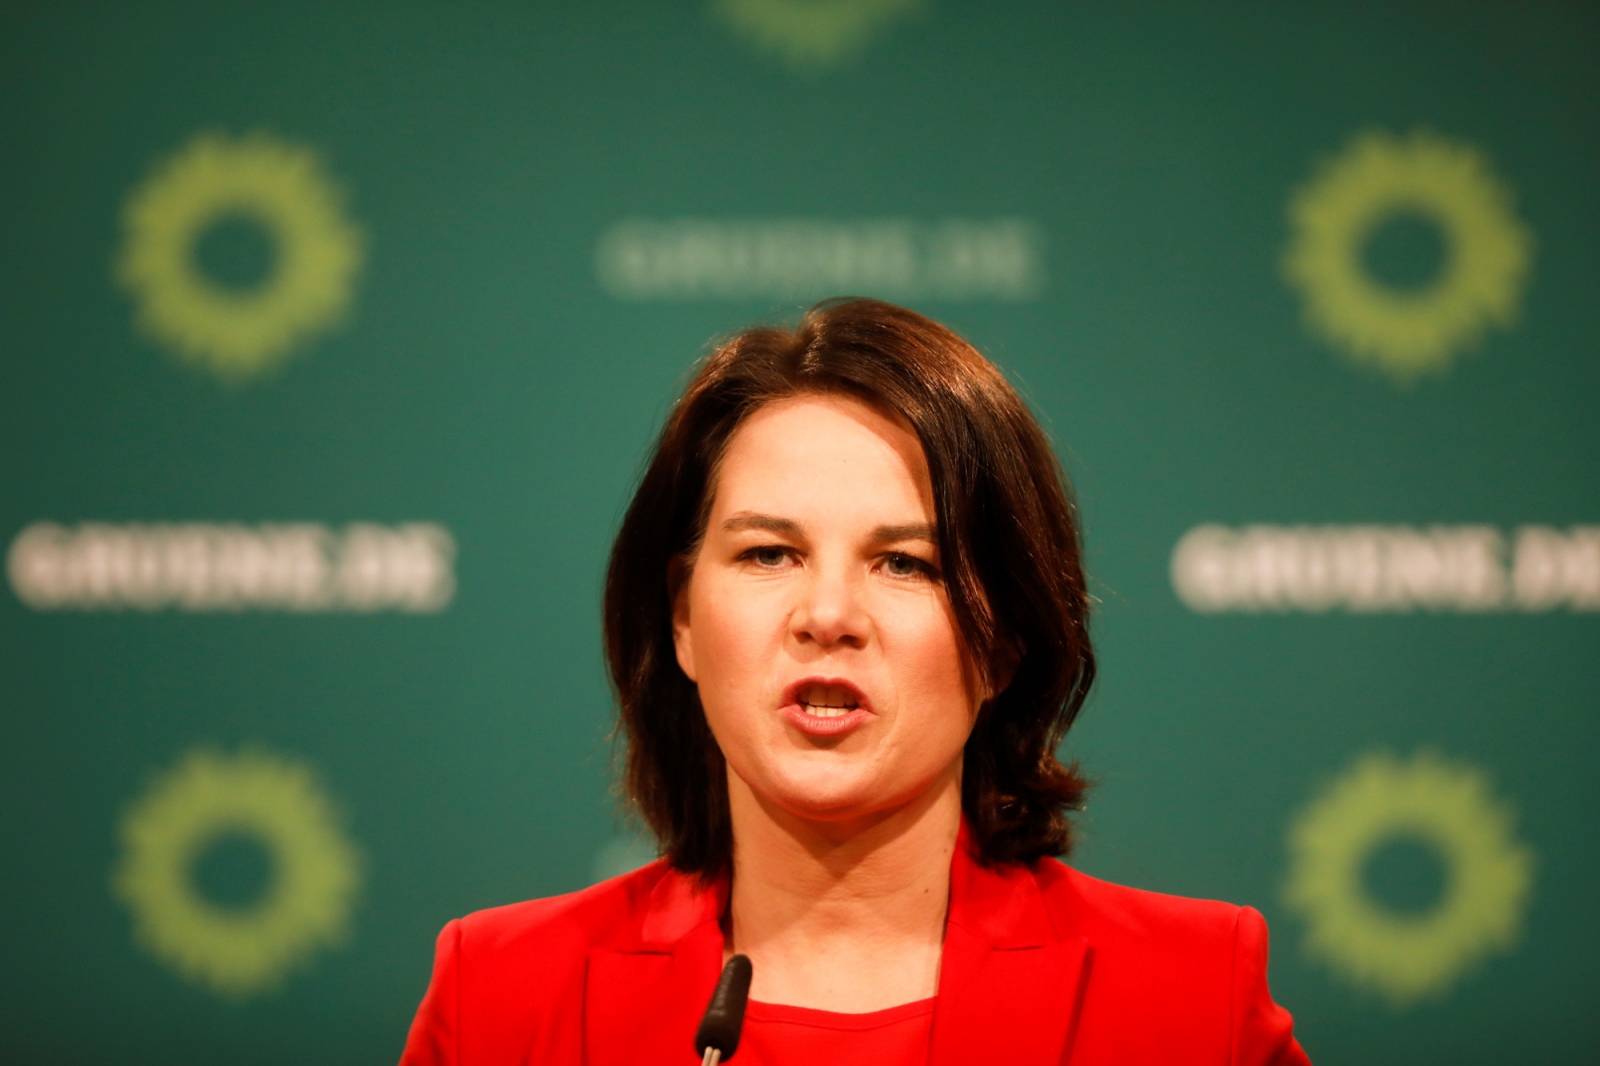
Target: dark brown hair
[(1008, 548)]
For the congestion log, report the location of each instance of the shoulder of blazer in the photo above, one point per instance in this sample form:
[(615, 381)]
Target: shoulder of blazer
[(537, 935), (1099, 910), (1162, 966), (509, 983), (1169, 973)]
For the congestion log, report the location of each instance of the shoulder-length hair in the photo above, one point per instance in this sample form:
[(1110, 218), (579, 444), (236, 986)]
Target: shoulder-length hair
[(1008, 547)]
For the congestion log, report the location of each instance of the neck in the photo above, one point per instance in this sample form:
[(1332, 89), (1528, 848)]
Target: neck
[(820, 905)]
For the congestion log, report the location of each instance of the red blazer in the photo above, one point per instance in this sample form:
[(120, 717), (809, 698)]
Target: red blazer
[(1041, 964)]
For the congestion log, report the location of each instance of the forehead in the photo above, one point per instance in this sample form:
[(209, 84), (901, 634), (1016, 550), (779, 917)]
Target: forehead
[(826, 453)]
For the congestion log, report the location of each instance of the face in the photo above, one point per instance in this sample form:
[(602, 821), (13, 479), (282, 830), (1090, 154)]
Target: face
[(814, 620)]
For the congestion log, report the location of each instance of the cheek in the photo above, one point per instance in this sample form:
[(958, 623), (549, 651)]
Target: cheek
[(935, 673), (731, 634)]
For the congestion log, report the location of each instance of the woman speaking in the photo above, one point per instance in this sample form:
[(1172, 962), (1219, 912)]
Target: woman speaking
[(846, 620)]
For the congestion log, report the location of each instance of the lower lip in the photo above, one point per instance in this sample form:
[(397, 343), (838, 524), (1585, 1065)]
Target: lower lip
[(817, 726)]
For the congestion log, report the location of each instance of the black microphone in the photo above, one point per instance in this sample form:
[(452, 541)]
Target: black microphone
[(718, 1036)]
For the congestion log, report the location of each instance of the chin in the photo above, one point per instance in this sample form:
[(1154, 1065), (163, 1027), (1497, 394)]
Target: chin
[(826, 796)]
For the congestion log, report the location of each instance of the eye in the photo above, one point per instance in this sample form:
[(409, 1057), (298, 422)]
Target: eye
[(899, 564), (766, 556)]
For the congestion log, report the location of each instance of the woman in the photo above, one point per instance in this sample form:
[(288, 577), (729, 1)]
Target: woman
[(847, 625)]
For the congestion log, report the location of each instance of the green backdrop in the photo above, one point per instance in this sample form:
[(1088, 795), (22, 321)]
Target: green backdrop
[(336, 335)]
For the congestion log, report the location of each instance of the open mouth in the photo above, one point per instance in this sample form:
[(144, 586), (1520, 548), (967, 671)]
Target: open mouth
[(826, 698), (828, 701), (826, 705)]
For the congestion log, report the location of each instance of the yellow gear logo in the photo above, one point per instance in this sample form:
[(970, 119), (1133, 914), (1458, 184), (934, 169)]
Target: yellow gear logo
[(237, 332), (1408, 957), (811, 33), (246, 950), (1377, 178)]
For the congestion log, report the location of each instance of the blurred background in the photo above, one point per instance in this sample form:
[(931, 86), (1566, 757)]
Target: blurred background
[(338, 334)]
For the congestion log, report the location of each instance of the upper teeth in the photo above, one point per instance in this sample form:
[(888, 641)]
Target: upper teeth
[(828, 701)]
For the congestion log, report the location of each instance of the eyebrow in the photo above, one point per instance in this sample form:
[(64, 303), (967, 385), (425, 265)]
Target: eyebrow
[(887, 534)]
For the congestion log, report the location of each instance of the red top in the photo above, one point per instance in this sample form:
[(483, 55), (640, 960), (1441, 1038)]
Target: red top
[(775, 1035)]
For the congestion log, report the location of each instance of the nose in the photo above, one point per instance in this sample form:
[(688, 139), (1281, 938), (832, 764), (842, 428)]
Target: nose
[(830, 611)]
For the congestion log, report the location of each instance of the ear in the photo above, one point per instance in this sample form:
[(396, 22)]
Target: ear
[(682, 635)]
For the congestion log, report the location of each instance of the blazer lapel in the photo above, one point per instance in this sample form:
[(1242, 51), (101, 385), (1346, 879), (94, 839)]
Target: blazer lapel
[(1010, 984), (644, 994)]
